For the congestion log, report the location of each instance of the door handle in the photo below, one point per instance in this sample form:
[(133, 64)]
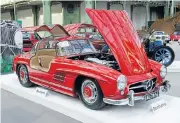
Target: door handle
[(39, 60)]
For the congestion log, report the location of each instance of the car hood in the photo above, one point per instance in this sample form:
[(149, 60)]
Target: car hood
[(120, 35)]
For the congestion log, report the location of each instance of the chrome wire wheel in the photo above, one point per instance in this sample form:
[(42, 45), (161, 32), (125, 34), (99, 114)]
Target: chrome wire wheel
[(163, 55), (23, 75), (89, 91)]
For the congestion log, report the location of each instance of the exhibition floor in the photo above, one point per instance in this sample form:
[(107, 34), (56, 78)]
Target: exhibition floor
[(73, 108), (16, 109)]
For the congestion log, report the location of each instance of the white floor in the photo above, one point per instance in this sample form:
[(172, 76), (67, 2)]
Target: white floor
[(72, 107), (174, 67)]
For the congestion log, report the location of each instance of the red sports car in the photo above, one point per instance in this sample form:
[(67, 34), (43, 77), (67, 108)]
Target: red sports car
[(175, 36), (72, 66)]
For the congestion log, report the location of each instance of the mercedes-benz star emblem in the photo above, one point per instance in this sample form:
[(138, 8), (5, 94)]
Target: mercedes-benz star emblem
[(149, 85)]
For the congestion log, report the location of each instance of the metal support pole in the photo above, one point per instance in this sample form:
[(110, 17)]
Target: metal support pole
[(47, 12), (147, 14), (15, 15), (172, 8), (124, 5), (89, 4), (166, 9), (94, 4)]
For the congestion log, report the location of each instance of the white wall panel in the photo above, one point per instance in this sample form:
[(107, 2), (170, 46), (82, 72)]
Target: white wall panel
[(139, 17), (101, 4), (116, 7), (26, 16), (57, 16), (5, 16)]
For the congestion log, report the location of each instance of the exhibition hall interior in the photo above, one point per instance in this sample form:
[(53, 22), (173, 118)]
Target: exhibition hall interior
[(90, 61)]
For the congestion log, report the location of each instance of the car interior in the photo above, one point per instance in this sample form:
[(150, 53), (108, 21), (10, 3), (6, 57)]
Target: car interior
[(42, 58)]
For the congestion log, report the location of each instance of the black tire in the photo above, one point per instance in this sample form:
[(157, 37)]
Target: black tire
[(167, 48), (98, 103), (26, 83)]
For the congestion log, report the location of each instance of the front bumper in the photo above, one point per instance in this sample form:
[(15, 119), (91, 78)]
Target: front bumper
[(131, 98)]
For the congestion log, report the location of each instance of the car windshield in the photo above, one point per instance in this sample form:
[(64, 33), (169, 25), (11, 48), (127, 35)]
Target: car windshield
[(96, 36), (159, 33), (67, 48), (177, 33), (44, 34), (92, 35)]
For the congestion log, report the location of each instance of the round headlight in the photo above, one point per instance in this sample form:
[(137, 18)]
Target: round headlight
[(121, 82), (163, 71)]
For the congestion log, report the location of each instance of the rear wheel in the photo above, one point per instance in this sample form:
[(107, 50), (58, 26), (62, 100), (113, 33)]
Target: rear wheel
[(164, 55), (91, 95), (24, 76)]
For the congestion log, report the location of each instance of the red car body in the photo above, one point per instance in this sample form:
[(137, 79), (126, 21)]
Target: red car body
[(175, 36), (65, 73)]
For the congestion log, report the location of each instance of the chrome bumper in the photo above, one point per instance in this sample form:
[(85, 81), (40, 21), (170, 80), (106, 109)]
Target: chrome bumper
[(132, 98)]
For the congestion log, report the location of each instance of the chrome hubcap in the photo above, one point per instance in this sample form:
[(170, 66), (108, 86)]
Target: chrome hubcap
[(163, 56), (89, 91), (23, 75)]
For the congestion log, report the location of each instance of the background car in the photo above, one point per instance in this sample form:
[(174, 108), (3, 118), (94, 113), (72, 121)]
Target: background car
[(157, 50), (175, 36), (161, 35), (31, 35)]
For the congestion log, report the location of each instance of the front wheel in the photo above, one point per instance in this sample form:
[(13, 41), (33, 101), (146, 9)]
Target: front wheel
[(91, 95), (24, 76), (164, 54)]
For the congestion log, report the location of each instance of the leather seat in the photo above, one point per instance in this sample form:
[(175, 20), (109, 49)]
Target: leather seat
[(42, 59)]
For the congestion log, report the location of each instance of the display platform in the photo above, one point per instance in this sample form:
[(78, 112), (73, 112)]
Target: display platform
[(73, 107), (174, 67)]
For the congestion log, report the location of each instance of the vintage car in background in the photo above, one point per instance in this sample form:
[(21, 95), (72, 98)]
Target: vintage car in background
[(71, 65), (175, 36), (88, 31), (31, 35), (157, 50), (160, 35)]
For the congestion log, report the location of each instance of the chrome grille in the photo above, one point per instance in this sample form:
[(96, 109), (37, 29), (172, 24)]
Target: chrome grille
[(143, 86)]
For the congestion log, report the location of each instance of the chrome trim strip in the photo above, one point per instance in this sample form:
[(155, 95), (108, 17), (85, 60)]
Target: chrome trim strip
[(57, 90), (140, 86), (52, 83)]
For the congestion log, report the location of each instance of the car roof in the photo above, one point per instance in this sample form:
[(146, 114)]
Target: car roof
[(35, 28)]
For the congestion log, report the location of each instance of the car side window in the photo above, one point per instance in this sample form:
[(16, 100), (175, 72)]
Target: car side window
[(36, 36), (47, 45)]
